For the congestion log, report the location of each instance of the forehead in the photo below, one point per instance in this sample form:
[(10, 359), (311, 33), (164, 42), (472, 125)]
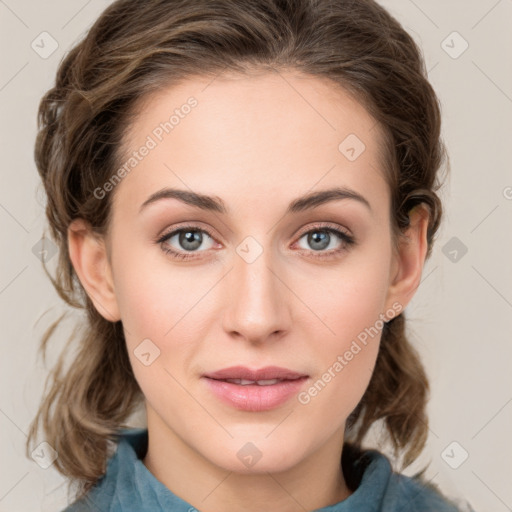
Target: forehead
[(265, 135)]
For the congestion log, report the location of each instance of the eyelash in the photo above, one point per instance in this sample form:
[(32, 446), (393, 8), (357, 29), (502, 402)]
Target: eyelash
[(347, 241)]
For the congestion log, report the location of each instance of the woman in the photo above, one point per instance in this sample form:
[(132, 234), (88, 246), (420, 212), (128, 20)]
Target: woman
[(244, 196)]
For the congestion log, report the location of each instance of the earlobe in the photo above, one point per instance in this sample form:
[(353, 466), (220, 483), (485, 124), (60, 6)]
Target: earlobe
[(410, 259), (88, 255)]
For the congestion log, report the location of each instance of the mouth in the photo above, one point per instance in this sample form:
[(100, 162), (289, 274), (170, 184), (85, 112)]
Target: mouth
[(263, 382), (255, 390), (242, 373)]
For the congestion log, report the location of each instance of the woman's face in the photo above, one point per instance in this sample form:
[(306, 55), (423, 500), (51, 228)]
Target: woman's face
[(265, 282)]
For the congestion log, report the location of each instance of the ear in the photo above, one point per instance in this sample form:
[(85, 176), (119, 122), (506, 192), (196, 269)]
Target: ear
[(409, 260), (88, 255)]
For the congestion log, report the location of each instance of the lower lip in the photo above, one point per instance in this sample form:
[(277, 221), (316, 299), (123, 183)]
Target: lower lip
[(255, 398)]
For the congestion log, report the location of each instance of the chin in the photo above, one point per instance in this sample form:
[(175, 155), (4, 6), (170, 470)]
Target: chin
[(260, 455)]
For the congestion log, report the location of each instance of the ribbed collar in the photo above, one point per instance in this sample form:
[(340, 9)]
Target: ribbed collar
[(128, 486)]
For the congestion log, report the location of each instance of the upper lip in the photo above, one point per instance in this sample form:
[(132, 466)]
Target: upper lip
[(267, 373)]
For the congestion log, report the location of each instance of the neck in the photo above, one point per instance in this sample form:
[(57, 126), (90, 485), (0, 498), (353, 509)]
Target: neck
[(315, 482)]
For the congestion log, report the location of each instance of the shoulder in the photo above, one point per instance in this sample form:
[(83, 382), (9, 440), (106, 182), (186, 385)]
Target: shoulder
[(123, 455), (414, 494), (377, 487)]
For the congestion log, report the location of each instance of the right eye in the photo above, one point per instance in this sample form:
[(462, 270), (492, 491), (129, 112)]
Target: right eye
[(190, 238)]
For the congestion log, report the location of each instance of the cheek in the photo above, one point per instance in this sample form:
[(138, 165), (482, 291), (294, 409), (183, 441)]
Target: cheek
[(351, 303), (145, 288), (165, 305), (345, 359), (348, 300)]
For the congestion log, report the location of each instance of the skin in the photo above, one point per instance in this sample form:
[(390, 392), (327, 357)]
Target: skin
[(258, 142)]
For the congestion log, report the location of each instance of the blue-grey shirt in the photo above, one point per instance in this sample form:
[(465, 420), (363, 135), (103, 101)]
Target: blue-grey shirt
[(128, 486)]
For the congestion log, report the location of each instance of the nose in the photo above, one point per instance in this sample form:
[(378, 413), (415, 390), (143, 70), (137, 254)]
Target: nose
[(258, 302)]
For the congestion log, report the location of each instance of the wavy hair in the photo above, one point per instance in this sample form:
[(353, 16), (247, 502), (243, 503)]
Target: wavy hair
[(138, 47)]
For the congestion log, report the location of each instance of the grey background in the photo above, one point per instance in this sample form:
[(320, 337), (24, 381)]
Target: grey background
[(460, 318)]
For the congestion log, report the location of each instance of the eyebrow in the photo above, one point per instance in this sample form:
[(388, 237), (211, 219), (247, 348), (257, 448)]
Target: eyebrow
[(216, 204)]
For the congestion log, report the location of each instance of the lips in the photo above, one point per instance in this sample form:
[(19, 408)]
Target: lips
[(263, 374), (262, 382), (255, 390)]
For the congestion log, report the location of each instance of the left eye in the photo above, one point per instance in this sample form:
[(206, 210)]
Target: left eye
[(321, 239)]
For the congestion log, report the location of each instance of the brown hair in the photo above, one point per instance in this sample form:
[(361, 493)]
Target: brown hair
[(138, 47)]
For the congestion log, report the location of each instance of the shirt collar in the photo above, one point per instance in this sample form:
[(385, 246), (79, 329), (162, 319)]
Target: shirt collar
[(129, 486)]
